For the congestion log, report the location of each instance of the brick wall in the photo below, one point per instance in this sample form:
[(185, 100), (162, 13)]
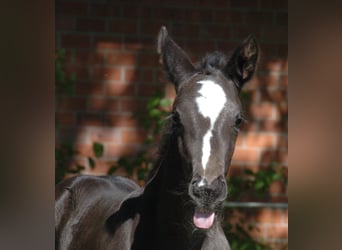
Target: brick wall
[(110, 46)]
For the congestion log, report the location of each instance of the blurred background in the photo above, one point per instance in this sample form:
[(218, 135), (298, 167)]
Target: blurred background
[(111, 98)]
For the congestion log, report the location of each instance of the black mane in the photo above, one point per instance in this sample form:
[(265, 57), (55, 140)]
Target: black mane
[(212, 62)]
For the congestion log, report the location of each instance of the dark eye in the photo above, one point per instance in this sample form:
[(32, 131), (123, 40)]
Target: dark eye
[(238, 121), (175, 117)]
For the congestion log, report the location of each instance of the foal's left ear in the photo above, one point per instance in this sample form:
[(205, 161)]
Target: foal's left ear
[(243, 62), (175, 61)]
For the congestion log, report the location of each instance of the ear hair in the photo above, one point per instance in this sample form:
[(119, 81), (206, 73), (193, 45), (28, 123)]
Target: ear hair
[(175, 61), (243, 62)]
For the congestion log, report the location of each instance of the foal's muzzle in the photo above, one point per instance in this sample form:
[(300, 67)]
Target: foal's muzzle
[(208, 195)]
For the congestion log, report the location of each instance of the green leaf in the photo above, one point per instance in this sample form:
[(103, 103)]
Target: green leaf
[(259, 185), (80, 168), (155, 112), (112, 170), (165, 102), (91, 162), (249, 172), (98, 149)]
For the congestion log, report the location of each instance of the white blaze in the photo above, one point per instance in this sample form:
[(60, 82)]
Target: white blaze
[(210, 104)]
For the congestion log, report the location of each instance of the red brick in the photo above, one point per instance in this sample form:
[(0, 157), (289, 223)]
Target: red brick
[(226, 16), (88, 58), (149, 60), (133, 136), (275, 34), (119, 150), (283, 81), (282, 18), (273, 126), (71, 103), (282, 141), (89, 89), (65, 119), (106, 73), (277, 232), (90, 119), (269, 156), (120, 89), (267, 50), (268, 81), (144, 75), (102, 104), (75, 41), (262, 111), (274, 5), (275, 65), (246, 155), (101, 167), (79, 71), (267, 215), (167, 13), (133, 105), (148, 90), (84, 150), (283, 109), (241, 32), (132, 11), (120, 58), (150, 27), (104, 135), (120, 121), (103, 10), (273, 95), (250, 126), (213, 30), (279, 245), (259, 17), (240, 141), (260, 140), (129, 75), (132, 43), (65, 23), (72, 135), (283, 51), (108, 42), (244, 4), (191, 30), (201, 47), (277, 187), (124, 26), (67, 8), (256, 232), (199, 15), (90, 24)]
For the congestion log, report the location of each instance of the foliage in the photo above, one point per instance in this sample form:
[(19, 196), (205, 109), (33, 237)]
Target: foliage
[(65, 152), (152, 121), (240, 239), (257, 183), (63, 83)]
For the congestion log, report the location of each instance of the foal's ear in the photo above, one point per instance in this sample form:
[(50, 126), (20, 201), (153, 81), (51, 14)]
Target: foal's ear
[(175, 61), (243, 62)]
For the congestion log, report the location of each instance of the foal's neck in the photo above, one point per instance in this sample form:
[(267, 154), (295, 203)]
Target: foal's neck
[(173, 208)]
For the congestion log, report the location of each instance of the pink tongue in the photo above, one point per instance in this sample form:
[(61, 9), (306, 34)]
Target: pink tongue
[(203, 220)]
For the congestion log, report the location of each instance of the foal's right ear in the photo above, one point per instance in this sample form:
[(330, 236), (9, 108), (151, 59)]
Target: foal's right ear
[(175, 61), (243, 63)]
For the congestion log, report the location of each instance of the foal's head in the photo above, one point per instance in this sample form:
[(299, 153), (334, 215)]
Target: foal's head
[(207, 112)]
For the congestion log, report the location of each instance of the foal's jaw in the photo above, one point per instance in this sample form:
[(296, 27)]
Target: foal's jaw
[(208, 200)]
